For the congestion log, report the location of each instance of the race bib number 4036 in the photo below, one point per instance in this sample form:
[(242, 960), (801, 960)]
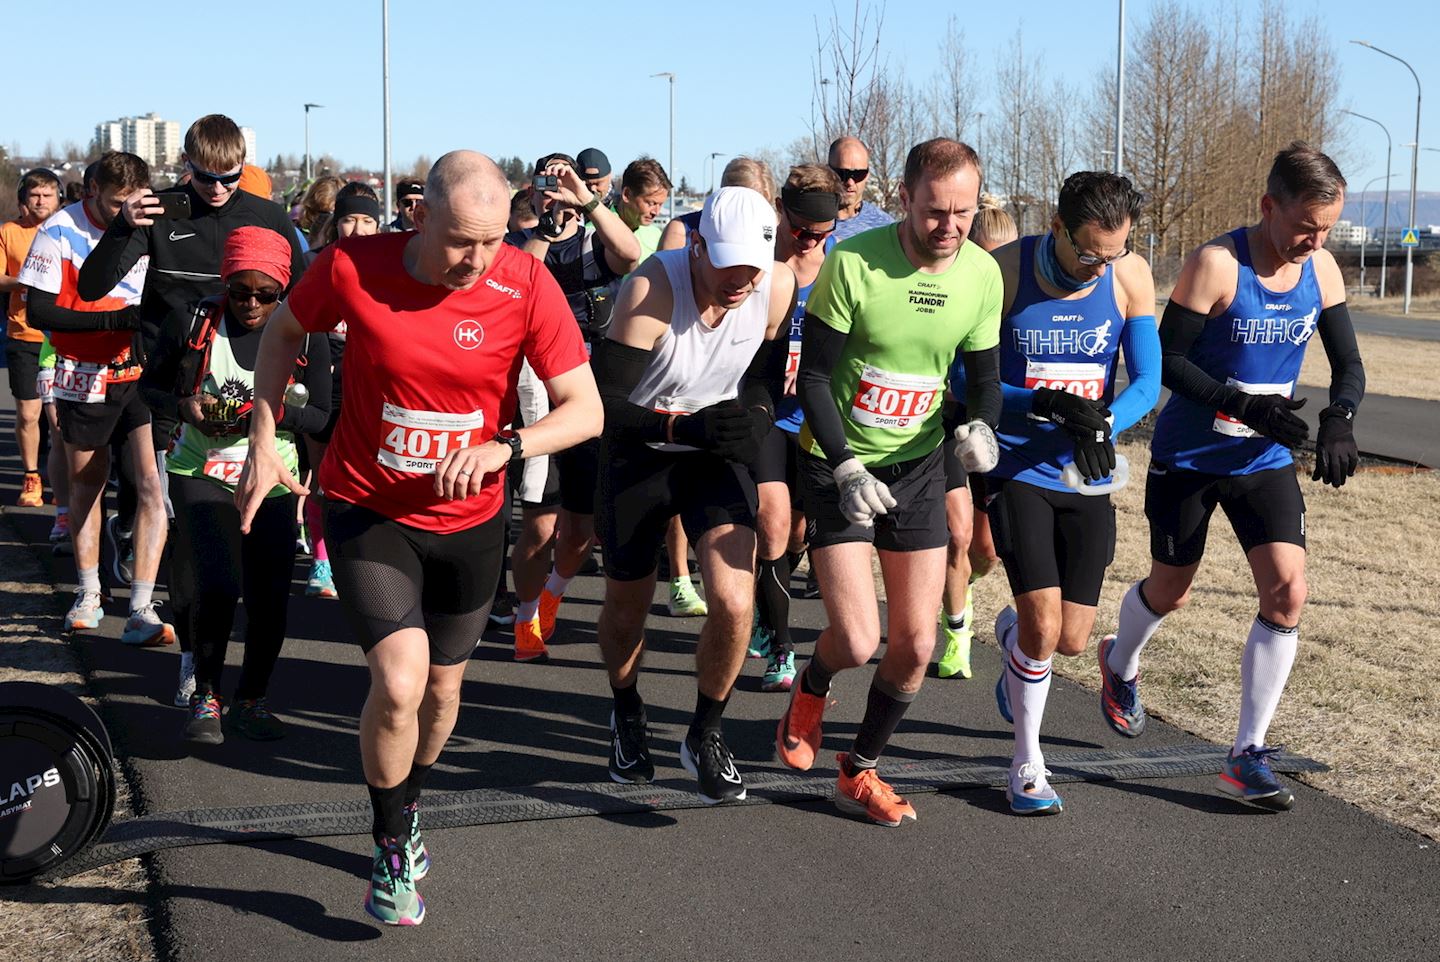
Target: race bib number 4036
[(884, 399), (415, 442), (82, 382)]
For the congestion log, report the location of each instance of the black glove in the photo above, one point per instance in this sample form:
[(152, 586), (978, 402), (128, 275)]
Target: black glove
[(1273, 416), (748, 451), (1336, 456), (1081, 417), (549, 227), (1095, 456), (721, 427)]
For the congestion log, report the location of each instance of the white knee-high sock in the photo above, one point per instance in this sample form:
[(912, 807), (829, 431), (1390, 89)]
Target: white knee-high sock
[(1027, 681), (1137, 624), (1264, 669)]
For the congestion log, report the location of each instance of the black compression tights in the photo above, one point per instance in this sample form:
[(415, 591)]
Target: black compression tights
[(214, 566)]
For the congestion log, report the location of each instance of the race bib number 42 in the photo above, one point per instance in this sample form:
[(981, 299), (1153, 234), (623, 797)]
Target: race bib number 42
[(892, 401), (415, 442), (225, 464), (82, 382)]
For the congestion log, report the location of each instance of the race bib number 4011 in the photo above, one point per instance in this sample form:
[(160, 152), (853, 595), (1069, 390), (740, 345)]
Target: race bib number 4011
[(884, 399), (415, 442)]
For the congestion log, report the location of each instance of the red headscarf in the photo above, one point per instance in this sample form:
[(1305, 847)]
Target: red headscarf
[(257, 249)]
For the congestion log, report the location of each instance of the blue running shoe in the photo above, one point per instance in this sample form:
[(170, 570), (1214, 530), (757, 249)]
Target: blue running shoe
[(1119, 699), (1248, 777), (1003, 623), (1030, 793)]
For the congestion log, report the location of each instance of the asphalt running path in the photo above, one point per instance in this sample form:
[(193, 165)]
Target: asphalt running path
[(1149, 869)]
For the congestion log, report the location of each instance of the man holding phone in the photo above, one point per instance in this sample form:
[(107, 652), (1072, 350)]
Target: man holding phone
[(587, 259)]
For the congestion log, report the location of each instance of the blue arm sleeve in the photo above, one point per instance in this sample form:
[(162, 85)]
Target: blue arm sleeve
[(1140, 342)]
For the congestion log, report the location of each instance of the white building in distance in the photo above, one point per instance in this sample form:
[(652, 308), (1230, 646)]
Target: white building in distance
[(251, 157), (151, 138)]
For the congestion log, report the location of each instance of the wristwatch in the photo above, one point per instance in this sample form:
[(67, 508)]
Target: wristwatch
[(589, 206), (513, 439)]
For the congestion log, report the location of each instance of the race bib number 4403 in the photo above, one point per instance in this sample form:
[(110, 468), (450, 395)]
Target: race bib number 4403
[(415, 442), (82, 382), (884, 399)]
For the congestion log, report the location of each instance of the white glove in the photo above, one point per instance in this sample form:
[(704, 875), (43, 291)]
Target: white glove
[(862, 495), (976, 447)]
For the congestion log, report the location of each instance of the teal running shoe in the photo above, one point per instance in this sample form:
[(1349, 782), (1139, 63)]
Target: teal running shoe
[(392, 898), (415, 844)]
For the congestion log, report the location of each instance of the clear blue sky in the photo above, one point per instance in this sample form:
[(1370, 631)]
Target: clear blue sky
[(562, 76)]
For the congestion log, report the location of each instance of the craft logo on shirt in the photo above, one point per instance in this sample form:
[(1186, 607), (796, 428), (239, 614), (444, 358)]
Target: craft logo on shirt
[(502, 288), (469, 335)]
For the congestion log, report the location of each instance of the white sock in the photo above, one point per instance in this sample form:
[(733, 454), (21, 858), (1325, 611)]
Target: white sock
[(555, 584), (1137, 624), (1027, 681), (88, 578), (1264, 669), (528, 610), (140, 592)]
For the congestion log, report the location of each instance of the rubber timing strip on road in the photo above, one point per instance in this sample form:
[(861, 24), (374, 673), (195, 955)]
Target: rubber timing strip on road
[(154, 833)]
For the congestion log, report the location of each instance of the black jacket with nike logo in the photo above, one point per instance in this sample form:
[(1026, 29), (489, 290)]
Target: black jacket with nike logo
[(184, 256)]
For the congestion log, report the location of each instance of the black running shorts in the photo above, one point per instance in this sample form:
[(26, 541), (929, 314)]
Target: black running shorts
[(22, 363), (1052, 539), (917, 521), (1264, 508), (392, 576), (641, 489), (579, 467), (91, 426)]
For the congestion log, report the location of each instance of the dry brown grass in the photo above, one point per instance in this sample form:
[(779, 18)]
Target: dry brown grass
[(1361, 697), (101, 914), (1425, 308), (1393, 365)]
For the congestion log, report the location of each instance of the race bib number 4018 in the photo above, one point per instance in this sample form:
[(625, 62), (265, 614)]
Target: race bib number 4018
[(415, 442), (884, 399)]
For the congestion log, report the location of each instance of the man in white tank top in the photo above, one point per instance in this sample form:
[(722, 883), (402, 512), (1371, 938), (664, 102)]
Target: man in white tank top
[(690, 372)]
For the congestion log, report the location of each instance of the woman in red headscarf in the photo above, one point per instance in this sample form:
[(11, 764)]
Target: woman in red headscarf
[(202, 371)]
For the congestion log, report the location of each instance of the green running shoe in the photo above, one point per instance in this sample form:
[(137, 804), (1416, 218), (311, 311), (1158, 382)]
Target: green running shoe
[(392, 898), (684, 602), (956, 658), (759, 646), (415, 844)]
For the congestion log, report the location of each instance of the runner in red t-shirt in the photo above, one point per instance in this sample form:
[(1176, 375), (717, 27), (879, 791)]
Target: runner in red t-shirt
[(438, 322)]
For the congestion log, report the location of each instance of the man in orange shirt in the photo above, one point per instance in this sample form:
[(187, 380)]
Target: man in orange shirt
[(39, 197)]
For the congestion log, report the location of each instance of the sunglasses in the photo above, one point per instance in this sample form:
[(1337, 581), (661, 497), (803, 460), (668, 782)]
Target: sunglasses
[(806, 234), (1091, 260), (410, 202), (851, 173), (243, 294), (205, 177)]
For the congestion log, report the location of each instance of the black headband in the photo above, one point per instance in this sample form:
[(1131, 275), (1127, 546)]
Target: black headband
[(816, 206), (357, 204)]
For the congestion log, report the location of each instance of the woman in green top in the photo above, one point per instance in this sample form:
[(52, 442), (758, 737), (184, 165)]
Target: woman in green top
[(202, 371)]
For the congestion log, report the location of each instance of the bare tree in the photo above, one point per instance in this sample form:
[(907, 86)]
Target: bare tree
[(952, 91), (846, 68)]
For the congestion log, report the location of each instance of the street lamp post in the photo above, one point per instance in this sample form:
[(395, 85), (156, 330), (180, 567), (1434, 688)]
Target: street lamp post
[(1385, 227), (671, 77), (388, 194), (1120, 90), (713, 155), (1364, 229), (1414, 167), (307, 135)]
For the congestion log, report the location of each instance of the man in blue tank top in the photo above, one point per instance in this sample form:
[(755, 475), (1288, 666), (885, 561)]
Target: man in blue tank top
[(1075, 298), (1233, 337)]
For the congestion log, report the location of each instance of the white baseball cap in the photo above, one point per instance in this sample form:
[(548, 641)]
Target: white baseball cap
[(738, 225)]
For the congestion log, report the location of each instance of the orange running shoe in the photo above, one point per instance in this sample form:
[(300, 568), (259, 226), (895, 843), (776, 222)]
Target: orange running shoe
[(797, 737), (866, 795), (32, 492), (549, 606), (529, 646)]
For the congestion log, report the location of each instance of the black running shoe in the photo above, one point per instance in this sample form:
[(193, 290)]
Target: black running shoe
[(710, 761), (630, 749)]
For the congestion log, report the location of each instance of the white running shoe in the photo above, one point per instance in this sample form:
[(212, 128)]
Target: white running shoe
[(187, 680)]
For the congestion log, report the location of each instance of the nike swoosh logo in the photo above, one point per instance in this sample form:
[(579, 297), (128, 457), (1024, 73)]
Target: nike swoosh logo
[(175, 237), (731, 775)]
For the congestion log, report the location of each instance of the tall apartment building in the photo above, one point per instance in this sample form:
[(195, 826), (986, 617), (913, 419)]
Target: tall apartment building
[(251, 157), (153, 139)]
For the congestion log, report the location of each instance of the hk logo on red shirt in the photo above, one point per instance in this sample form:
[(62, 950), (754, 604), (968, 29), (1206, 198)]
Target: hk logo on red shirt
[(469, 335)]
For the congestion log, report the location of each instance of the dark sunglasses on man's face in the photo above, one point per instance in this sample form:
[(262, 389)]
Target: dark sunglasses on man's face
[(410, 202), (857, 174), (243, 294), (205, 177)]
